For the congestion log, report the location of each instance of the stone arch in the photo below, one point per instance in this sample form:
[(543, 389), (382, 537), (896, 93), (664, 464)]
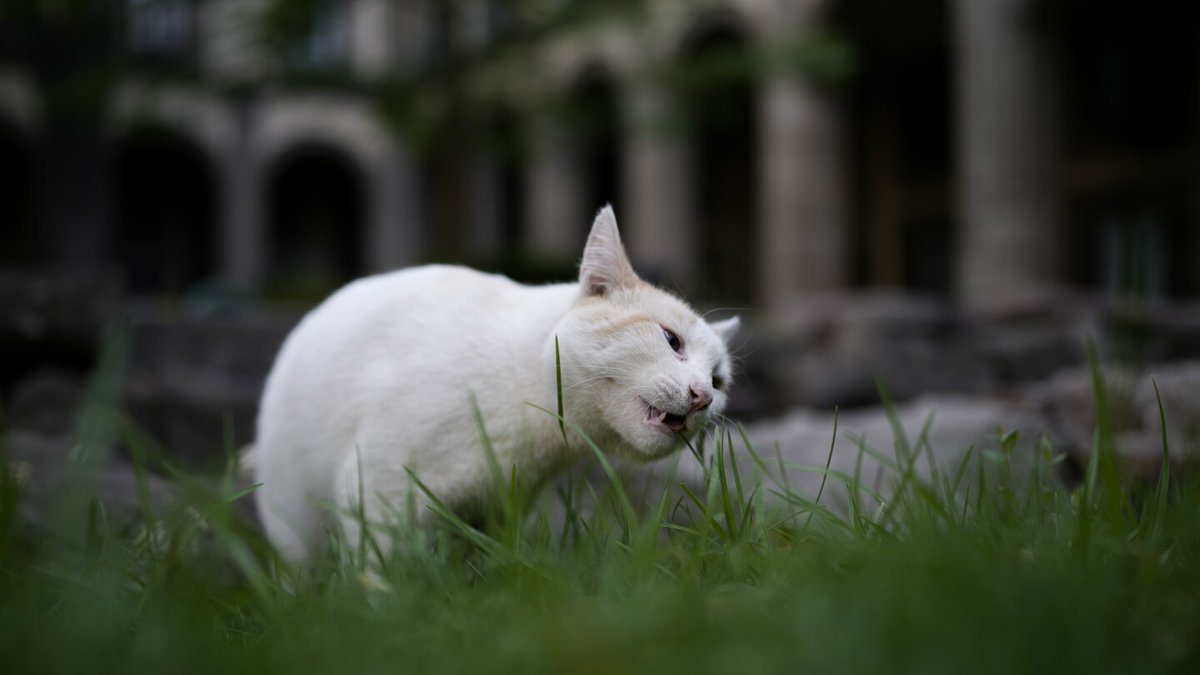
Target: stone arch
[(594, 122), (384, 168), (718, 101), (723, 20), (17, 237), (347, 127), (316, 220), (20, 103), (683, 27), (206, 121), (165, 200)]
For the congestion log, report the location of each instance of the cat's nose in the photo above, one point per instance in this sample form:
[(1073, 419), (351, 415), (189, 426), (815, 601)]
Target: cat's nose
[(701, 398)]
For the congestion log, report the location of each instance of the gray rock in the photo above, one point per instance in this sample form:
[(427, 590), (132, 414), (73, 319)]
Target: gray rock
[(830, 350), (1068, 402), (41, 309), (1179, 389), (50, 472), (46, 402), (790, 453), (193, 379), (826, 351), (1030, 349)]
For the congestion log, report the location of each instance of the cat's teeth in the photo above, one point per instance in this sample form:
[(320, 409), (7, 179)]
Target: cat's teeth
[(662, 416)]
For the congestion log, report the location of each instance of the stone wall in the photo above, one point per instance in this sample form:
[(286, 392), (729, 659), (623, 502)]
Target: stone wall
[(832, 349), (191, 375), (194, 371)]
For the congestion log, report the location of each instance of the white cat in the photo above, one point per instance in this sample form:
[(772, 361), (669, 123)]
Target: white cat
[(380, 380)]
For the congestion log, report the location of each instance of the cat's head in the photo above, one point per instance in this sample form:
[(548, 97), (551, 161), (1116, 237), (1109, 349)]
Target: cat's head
[(638, 363)]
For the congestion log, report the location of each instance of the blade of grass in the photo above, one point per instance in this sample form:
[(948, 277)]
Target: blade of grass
[(723, 491), (626, 506), (828, 463), (959, 473), (903, 448), (504, 495), (1111, 498), (462, 527), (733, 466), (1164, 472), (562, 428)]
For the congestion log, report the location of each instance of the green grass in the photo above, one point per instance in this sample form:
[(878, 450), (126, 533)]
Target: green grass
[(976, 570)]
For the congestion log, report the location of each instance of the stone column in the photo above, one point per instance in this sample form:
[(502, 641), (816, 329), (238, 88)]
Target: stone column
[(243, 214), (229, 48), (557, 218), (393, 237), (657, 222), (804, 229), (370, 24), (409, 34), (1009, 246), (1192, 280), (486, 201)]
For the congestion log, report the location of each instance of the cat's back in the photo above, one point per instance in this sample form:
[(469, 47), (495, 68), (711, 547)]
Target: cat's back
[(431, 286), (433, 304), (440, 322), (412, 314)]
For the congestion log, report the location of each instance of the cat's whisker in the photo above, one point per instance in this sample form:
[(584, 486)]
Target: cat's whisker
[(725, 309), (588, 380)]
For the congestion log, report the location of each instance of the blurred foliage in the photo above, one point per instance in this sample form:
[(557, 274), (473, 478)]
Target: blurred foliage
[(85, 38), (827, 58), (70, 47), (22, 20), (459, 89), (284, 22), (444, 104)]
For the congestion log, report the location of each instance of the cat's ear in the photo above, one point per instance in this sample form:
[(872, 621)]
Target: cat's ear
[(605, 266), (726, 329)]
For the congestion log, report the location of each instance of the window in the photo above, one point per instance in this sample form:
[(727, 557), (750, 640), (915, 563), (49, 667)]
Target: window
[(326, 44), (161, 28)]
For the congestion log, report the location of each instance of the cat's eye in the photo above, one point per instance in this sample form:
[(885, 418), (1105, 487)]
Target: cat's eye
[(718, 382), (673, 340)]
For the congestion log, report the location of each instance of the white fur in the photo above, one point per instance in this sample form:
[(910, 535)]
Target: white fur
[(380, 380)]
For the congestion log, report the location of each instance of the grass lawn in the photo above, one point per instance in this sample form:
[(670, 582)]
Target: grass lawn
[(974, 572)]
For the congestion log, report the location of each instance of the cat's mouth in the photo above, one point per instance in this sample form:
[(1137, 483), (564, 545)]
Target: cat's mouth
[(665, 420)]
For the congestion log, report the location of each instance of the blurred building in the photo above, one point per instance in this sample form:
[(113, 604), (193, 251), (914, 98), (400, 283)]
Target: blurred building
[(756, 151)]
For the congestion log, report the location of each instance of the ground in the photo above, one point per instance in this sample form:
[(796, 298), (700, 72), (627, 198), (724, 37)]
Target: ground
[(967, 572)]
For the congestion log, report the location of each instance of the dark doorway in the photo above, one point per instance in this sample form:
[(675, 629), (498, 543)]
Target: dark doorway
[(899, 109), (445, 213), (317, 215), (164, 205), (1130, 83), (508, 147), (718, 100), (594, 118), (17, 244)]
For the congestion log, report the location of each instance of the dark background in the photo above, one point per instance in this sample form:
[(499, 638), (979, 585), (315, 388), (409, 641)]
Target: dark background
[(114, 218)]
